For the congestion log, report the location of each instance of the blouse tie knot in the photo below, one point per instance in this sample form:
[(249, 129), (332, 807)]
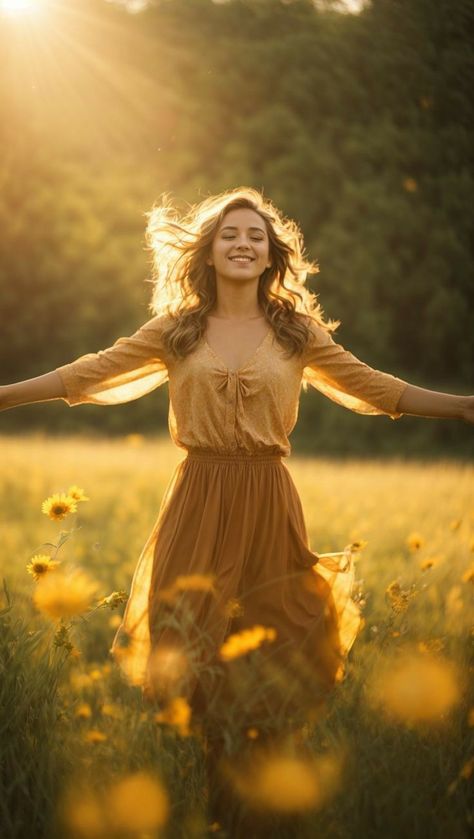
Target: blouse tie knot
[(229, 379)]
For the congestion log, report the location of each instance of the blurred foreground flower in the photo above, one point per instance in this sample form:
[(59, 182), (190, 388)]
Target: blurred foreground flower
[(285, 783), (58, 506), (40, 564), (133, 804), (415, 687), (65, 593), (242, 642)]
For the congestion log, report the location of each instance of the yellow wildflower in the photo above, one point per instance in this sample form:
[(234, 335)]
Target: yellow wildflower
[(111, 709), (77, 493), (397, 597), (83, 711), (415, 541), (358, 545), (468, 576), (177, 714), (58, 506), (64, 594), (40, 564), (233, 608), (426, 564), (241, 643), (112, 601), (252, 733), (410, 184), (94, 736)]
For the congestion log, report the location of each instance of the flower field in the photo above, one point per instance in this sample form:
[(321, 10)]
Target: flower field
[(85, 754)]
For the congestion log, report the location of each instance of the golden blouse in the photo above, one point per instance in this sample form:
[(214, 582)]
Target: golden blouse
[(253, 408)]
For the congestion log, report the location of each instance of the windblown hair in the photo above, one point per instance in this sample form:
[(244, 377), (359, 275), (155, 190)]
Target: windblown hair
[(184, 285)]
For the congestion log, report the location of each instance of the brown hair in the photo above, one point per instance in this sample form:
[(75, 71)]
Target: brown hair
[(184, 285)]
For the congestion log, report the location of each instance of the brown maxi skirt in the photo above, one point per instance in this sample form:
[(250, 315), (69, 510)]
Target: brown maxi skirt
[(229, 552)]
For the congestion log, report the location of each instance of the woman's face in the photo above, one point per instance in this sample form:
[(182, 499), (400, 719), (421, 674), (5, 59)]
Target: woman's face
[(240, 249)]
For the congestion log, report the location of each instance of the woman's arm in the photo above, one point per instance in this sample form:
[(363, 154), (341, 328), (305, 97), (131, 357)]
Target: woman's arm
[(40, 389), (429, 403)]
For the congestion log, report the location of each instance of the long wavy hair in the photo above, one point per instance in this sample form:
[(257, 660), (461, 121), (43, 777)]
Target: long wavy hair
[(184, 285)]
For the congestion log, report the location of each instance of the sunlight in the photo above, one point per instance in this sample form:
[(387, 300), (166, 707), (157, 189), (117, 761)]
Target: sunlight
[(17, 8)]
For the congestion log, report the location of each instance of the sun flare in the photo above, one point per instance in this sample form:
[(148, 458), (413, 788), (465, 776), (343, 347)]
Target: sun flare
[(20, 7)]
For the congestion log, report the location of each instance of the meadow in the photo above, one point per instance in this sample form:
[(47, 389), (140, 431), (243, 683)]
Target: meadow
[(83, 754)]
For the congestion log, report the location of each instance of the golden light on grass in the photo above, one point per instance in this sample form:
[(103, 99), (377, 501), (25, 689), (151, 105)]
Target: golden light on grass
[(242, 642), (40, 565), (415, 687), (280, 783), (65, 593), (58, 506), (132, 805)]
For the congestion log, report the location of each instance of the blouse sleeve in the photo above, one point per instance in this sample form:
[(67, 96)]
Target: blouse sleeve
[(348, 381), (132, 367)]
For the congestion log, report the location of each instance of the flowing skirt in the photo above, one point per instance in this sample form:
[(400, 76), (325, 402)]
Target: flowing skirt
[(229, 553)]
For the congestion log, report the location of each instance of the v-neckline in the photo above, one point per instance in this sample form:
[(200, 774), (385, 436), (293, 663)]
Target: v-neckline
[(247, 363)]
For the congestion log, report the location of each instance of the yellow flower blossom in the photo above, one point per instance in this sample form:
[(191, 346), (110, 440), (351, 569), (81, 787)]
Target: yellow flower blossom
[(397, 597), (58, 506), (415, 541), (178, 714), (112, 601), (468, 576), (40, 564), (241, 643), (426, 564), (252, 733), (358, 545), (64, 594), (77, 493), (111, 709), (83, 711), (94, 736)]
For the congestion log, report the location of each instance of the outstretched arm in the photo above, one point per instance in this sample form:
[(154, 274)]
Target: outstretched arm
[(429, 403), (40, 389)]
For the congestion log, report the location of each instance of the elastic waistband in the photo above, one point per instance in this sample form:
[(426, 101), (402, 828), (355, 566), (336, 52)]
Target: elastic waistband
[(233, 457)]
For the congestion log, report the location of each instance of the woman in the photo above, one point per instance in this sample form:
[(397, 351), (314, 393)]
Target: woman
[(236, 334)]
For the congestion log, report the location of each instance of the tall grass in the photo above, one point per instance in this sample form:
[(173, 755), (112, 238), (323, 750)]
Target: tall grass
[(77, 741)]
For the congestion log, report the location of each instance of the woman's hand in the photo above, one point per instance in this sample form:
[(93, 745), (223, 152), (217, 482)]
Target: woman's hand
[(468, 409)]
